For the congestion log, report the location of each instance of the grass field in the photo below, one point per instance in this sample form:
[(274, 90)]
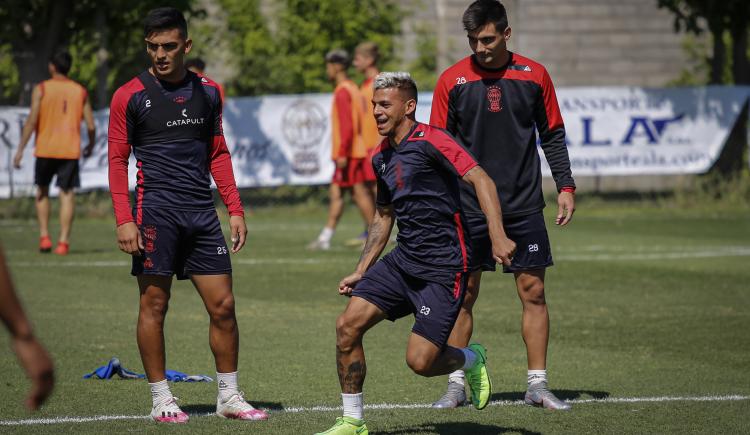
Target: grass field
[(650, 311)]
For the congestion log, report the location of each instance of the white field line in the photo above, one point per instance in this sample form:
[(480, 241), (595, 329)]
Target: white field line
[(729, 251), (381, 406)]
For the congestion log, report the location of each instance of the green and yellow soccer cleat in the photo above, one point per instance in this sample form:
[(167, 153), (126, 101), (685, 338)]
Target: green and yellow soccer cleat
[(347, 426), (478, 378)]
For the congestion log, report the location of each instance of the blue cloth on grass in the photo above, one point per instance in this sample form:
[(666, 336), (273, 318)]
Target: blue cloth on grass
[(113, 367), (175, 376)]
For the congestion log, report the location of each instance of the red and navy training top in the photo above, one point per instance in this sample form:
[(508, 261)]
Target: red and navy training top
[(495, 114), (176, 135), (420, 178)]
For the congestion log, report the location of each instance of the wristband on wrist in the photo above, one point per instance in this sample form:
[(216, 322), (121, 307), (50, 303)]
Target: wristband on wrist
[(568, 189)]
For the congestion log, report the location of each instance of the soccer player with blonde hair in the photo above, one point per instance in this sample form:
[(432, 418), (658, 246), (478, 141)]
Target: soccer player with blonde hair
[(419, 169)]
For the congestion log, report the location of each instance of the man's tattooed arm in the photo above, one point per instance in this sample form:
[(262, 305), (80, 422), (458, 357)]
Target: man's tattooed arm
[(377, 237)]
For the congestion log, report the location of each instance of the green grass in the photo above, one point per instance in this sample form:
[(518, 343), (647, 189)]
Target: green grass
[(634, 314)]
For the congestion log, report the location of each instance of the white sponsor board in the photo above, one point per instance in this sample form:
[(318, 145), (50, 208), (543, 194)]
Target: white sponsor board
[(636, 131), (276, 140)]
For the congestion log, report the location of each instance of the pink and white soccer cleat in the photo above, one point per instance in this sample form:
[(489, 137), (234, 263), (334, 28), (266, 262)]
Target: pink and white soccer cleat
[(168, 412), (237, 408)]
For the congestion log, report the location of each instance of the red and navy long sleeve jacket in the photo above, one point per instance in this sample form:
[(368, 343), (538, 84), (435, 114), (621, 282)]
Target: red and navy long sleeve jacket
[(496, 114), (175, 132)]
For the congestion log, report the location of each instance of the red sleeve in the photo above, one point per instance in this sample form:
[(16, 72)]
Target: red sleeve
[(439, 111), (119, 153), (343, 102), (457, 156), (554, 118), (221, 170)]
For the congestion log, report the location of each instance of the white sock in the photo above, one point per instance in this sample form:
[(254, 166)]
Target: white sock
[(353, 405), (326, 234), (536, 376), (457, 377), (227, 385), (470, 358), (160, 392)]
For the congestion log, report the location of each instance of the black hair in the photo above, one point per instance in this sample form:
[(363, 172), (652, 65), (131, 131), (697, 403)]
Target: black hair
[(482, 12), (339, 56), (166, 18), (195, 62), (62, 62)]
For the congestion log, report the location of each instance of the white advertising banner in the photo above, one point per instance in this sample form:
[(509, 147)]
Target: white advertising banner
[(277, 140), (636, 131)]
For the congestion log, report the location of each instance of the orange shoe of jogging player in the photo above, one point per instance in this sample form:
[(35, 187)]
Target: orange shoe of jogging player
[(62, 248), (45, 244)]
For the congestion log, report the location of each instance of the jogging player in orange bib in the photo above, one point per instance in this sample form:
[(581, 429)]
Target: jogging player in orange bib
[(57, 107), (348, 149)]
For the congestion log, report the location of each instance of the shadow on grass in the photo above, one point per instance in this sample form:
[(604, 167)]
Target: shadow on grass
[(561, 394), (211, 408), (458, 428)]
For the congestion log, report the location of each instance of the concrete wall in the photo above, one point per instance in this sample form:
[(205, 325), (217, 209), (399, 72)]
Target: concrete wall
[(601, 42), (581, 42)]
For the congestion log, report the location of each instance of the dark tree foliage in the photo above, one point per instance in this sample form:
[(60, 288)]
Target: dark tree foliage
[(104, 37), (732, 16), (286, 55)]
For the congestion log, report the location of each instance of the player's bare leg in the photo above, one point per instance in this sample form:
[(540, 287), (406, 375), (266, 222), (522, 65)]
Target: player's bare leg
[(365, 201), (223, 334), (224, 339), (336, 205), (455, 395), (535, 331), (426, 359), (67, 212), (535, 318), (359, 316), (154, 302), (335, 210), (42, 213)]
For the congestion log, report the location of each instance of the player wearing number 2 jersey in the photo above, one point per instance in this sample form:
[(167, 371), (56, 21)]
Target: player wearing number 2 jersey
[(171, 120)]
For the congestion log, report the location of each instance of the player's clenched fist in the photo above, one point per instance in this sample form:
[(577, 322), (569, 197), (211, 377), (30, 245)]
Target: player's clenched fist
[(503, 250), (346, 286), (129, 239)]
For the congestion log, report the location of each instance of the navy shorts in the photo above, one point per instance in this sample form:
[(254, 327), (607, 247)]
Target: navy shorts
[(182, 243), (65, 169), (533, 250), (434, 304)]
